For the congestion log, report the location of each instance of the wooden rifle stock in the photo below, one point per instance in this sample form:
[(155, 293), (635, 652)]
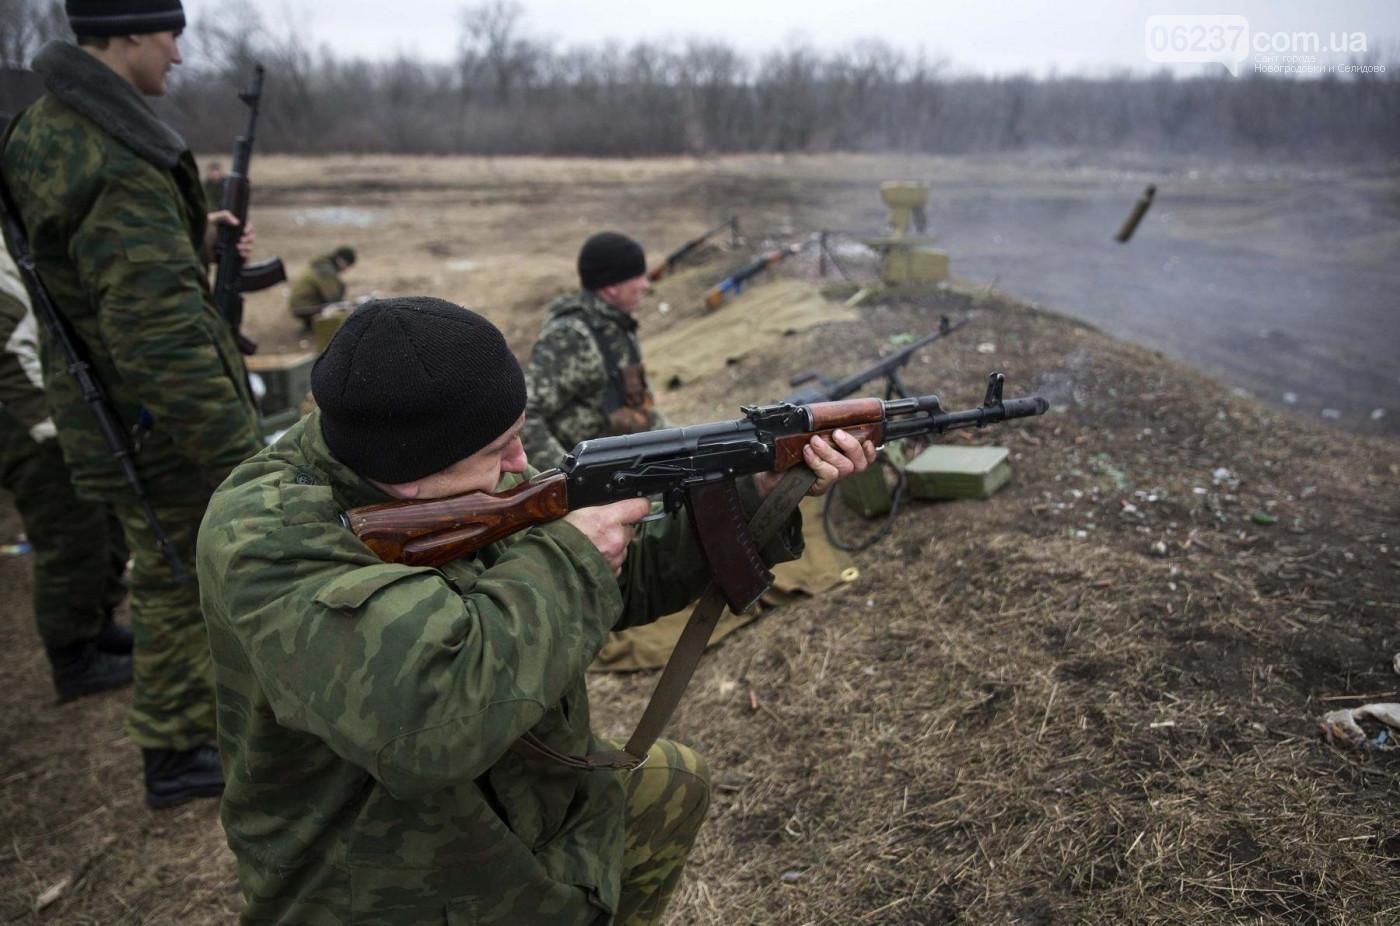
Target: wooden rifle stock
[(439, 530)]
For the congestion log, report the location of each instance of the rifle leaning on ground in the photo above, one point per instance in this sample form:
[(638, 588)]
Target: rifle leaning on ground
[(80, 367), (234, 278), (691, 466), (887, 369), (734, 284), (682, 252)]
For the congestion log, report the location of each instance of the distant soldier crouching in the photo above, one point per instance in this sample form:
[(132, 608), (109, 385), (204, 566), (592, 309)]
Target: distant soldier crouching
[(320, 284)]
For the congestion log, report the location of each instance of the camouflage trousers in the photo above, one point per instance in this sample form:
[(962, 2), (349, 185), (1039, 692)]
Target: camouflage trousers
[(79, 552), (666, 803), (173, 701)]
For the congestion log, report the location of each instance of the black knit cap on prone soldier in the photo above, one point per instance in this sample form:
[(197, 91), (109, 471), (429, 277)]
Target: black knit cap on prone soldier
[(408, 386), (99, 18), (608, 258)]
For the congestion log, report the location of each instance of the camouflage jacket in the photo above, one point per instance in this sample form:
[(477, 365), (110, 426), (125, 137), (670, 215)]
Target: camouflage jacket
[(366, 709), (572, 385), (111, 199), (317, 285), (21, 382)]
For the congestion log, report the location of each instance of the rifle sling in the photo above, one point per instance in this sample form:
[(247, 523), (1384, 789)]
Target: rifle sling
[(772, 514)]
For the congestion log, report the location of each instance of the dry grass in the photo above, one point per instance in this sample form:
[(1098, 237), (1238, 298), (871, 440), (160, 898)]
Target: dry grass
[(1021, 713)]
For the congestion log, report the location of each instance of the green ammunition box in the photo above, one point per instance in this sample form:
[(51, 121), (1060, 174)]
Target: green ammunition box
[(943, 471), (287, 378), (905, 265)]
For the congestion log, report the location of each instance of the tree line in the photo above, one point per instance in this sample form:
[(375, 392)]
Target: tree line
[(510, 92)]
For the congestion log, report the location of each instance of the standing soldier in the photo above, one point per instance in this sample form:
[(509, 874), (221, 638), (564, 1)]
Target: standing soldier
[(585, 376), (214, 184), (120, 233), (79, 554), (320, 285)]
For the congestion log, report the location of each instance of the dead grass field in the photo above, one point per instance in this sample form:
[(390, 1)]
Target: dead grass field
[(1091, 699)]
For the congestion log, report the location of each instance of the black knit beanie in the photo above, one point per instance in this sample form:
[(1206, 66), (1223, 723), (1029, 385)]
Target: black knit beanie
[(124, 17), (409, 386), (609, 258)]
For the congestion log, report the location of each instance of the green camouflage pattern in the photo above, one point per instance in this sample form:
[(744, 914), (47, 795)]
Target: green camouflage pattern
[(79, 552), (172, 703), (316, 287), (116, 218), (366, 708), (116, 238), (568, 378), (666, 803)]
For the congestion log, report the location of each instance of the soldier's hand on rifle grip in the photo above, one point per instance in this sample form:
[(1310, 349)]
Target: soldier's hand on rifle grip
[(211, 231), (610, 527), (831, 462)]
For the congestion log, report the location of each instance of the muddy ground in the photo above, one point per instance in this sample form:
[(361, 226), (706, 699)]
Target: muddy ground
[(1091, 699)]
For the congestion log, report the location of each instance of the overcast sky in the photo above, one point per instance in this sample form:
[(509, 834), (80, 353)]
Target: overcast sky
[(985, 36)]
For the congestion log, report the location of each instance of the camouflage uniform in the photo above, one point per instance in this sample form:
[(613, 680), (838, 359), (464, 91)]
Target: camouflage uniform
[(317, 286), (366, 710), (79, 553), (574, 376), (116, 219)]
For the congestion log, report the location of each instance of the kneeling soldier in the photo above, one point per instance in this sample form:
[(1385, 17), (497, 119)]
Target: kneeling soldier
[(367, 710)]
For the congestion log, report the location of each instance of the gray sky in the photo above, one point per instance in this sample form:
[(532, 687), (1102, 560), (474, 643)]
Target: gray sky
[(984, 36)]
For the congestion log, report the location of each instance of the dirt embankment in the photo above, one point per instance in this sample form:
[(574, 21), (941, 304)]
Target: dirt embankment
[(1091, 699)]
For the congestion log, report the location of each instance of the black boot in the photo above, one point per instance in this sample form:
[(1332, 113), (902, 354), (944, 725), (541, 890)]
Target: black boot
[(83, 669), (174, 777), (114, 638)]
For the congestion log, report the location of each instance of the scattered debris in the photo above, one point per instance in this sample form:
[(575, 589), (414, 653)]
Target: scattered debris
[(1344, 727)]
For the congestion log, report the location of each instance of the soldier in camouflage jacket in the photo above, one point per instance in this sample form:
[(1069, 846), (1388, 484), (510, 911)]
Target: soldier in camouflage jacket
[(585, 376), (118, 226), (367, 710), (79, 553), (319, 285)]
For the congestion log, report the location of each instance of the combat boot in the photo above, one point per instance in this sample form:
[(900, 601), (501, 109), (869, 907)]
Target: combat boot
[(114, 638), (176, 776), (84, 669)]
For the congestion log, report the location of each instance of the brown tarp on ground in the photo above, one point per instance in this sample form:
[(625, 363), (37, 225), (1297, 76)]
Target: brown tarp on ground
[(762, 316), (821, 568)]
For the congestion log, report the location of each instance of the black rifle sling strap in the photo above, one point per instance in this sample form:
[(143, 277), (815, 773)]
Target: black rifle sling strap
[(772, 514)]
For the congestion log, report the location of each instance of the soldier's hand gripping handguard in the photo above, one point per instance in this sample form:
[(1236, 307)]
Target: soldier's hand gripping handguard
[(692, 466)]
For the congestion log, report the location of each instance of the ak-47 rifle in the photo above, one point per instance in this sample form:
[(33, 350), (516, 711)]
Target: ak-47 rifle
[(692, 466), (234, 278), (734, 284), (89, 386), (695, 467), (887, 368), (682, 252)]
